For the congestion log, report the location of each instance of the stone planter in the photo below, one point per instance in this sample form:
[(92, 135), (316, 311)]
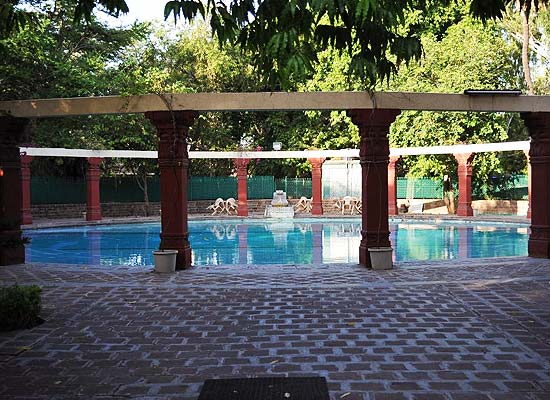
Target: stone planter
[(165, 260), (381, 258)]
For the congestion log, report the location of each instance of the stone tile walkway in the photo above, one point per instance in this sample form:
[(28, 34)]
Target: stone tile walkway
[(447, 330)]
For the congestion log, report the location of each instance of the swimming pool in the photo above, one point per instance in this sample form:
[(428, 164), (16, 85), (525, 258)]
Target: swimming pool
[(298, 241)]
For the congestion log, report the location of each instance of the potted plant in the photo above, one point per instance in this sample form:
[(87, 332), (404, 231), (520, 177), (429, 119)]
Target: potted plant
[(165, 260)]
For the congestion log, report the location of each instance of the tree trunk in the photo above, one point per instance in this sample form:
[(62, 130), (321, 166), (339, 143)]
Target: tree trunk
[(141, 179), (146, 194), (525, 11)]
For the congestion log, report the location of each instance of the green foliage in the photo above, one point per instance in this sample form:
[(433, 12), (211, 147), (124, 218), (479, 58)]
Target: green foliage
[(13, 19), (285, 36), (495, 9), (470, 55), (19, 307)]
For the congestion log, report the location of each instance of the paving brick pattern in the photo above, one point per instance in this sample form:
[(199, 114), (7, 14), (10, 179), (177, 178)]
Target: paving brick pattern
[(451, 330)]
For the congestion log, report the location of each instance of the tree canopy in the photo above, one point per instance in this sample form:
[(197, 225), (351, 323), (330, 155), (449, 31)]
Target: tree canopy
[(286, 35)]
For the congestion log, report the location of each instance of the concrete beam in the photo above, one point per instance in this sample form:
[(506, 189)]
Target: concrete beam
[(275, 101), (410, 151)]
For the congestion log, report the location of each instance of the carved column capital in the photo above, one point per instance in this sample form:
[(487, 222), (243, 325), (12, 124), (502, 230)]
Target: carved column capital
[(464, 159), (172, 130), (394, 160), (538, 124), (241, 164), (316, 163), (373, 130), (94, 162)]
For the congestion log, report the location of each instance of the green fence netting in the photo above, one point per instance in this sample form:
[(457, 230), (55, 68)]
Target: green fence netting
[(127, 189), (516, 189), (260, 187), (419, 188), (211, 187), (56, 190), (294, 187)]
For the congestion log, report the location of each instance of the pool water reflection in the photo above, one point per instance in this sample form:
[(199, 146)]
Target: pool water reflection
[(298, 241)]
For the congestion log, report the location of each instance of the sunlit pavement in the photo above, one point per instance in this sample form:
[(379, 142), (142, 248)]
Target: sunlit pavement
[(447, 330)]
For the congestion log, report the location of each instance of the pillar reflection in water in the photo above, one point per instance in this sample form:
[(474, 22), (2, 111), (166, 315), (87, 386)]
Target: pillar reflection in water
[(341, 241), (424, 242), (94, 247), (464, 241), (317, 231), (242, 232)]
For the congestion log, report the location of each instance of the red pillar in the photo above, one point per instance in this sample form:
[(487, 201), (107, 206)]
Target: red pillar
[(316, 185), (172, 129), (526, 152), (93, 202), (12, 250), (374, 126), (539, 128), (241, 164), (464, 161), (26, 214), (392, 186)]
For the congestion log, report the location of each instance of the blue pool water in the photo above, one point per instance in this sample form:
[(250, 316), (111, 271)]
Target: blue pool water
[(299, 241)]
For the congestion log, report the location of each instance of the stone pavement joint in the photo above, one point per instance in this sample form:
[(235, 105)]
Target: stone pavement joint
[(451, 330)]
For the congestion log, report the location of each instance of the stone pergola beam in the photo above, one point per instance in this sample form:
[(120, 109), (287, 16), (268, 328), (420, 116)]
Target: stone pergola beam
[(272, 101)]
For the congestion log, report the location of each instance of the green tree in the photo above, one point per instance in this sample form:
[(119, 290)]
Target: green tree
[(470, 55), (285, 36)]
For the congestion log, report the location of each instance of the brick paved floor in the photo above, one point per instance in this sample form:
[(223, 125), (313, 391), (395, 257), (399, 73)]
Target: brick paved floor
[(448, 330)]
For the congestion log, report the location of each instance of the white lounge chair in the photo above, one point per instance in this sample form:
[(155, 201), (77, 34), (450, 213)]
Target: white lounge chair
[(304, 204), (218, 207), (231, 206)]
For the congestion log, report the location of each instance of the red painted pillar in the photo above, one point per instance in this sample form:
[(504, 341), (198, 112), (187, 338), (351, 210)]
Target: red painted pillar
[(539, 128), (392, 186), (93, 202), (316, 185), (374, 126), (464, 161), (526, 152), (11, 132), (26, 214), (172, 129), (241, 164)]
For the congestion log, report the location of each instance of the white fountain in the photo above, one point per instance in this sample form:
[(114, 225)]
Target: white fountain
[(279, 207)]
